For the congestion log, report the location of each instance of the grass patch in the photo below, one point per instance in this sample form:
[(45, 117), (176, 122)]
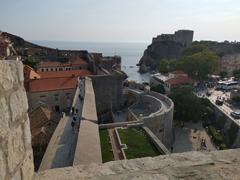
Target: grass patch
[(107, 154), (139, 145)]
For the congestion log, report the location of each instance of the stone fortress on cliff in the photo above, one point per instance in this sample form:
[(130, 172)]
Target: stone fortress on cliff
[(165, 46), (185, 37)]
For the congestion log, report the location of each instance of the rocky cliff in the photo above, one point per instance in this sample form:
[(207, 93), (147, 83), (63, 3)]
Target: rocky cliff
[(157, 51)]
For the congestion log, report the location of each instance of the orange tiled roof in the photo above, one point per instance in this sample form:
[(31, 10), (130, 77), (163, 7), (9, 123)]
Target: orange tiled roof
[(29, 73), (52, 84), (39, 117), (179, 80), (73, 61), (57, 74)]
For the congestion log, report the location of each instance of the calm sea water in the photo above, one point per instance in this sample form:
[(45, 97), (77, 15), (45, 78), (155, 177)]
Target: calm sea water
[(130, 53)]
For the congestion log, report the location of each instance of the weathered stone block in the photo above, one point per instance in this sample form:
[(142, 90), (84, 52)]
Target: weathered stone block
[(4, 117), (20, 72), (17, 176), (15, 148), (2, 166), (27, 168), (8, 75), (18, 103), (27, 135)]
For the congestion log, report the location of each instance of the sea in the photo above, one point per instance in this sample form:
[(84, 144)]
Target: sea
[(130, 52)]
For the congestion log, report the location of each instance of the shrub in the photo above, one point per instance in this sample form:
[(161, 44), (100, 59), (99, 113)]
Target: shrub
[(232, 133), (222, 146), (217, 137), (221, 122), (159, 88)]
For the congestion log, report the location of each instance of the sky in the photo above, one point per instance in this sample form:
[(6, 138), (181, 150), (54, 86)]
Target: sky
[(119, 20)]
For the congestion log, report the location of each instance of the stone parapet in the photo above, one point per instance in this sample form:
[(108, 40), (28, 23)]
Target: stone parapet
[(216, 165), (16, 159)]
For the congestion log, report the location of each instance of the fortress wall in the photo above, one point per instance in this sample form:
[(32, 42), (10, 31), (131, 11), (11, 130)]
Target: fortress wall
[(227, 125), (108, 92), (184, 36), (160, 123), (16, 159), (168, 115), (152, 104)]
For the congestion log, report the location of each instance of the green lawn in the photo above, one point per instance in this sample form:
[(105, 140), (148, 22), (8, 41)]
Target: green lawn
[(139, 145), (106, 147)]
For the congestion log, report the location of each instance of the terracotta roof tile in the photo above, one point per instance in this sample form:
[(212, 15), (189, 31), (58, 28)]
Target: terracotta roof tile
[(39, 117), (29, 73), (57, 74), (179, 80), (52, 84)]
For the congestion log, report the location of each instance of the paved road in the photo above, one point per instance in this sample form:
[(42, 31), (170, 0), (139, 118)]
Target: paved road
[(225, 107)]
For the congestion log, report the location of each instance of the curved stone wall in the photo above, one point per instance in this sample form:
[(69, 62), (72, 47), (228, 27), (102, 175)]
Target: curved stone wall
[(160, 118)]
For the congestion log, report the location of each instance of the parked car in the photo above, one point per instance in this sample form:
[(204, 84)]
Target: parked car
[(219, 102), (235, 114)]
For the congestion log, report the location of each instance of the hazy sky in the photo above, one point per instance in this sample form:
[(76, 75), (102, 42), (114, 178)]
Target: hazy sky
[(119, 20)]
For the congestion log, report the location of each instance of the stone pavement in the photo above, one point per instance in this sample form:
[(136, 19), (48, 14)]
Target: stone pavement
[(61, 148), (88, 148), (189, 138)]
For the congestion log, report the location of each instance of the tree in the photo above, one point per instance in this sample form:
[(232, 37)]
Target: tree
[(168, 65), (201, 64), (159, 88), (188, 107), (223, 74), (30, 62), (236, 73)]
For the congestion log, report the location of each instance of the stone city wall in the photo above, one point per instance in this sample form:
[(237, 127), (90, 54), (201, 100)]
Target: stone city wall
[(159, 122), (108, 92), (16, 159), (228, 123)]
